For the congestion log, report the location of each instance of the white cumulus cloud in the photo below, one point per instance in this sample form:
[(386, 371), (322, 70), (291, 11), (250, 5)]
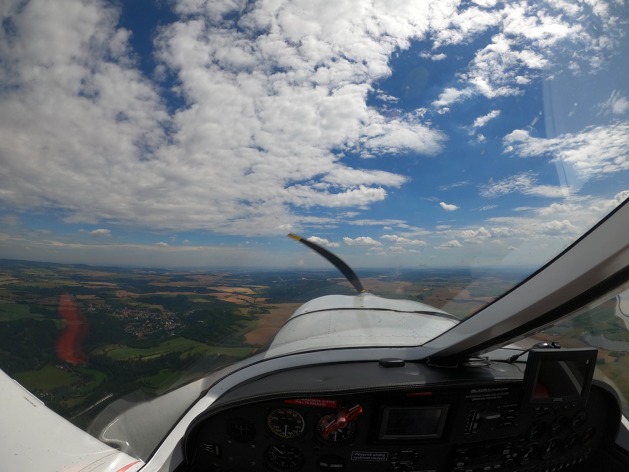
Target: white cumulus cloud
[(451, 244), (476, 235), (403, 241), (483, 120), (361, 241), (524, 183), (617, 104), (268, 110), (592, 153), (622, 196), (100, 233), (448, 206)]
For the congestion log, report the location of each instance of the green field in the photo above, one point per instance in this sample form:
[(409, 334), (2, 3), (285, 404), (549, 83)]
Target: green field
[(185, 347), (47, 378), (618, 372), (15, 311), (180, 345)]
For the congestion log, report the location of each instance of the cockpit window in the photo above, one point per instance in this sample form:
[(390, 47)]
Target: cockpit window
[(604, 326), (153, 159)]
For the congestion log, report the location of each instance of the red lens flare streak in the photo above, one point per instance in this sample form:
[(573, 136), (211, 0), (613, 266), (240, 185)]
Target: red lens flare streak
[(69, 346)]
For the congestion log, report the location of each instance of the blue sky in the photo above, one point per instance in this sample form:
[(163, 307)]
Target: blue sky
[(411, 134)]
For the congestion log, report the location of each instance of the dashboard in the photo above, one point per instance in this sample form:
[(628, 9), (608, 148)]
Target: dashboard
[(399, 416)]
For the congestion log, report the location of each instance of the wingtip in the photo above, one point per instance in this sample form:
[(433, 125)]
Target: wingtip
[(295, 236)]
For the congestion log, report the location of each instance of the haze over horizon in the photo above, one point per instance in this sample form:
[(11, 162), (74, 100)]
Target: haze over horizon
[(362, 271)]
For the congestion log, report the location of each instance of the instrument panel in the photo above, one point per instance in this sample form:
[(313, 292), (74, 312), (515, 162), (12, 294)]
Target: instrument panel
[(409, 419)]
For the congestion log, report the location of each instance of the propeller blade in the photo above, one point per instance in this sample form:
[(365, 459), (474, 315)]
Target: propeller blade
[(335, 260)]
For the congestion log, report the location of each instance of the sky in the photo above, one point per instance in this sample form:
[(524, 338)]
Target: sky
[(403, 134)]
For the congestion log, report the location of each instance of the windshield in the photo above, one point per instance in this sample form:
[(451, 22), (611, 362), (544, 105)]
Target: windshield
[(154, 155)]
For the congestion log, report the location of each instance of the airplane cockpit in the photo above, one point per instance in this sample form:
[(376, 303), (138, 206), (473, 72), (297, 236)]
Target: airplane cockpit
[(318, 399), (392, 415), (338, 388), (396, 415), (335, 410)]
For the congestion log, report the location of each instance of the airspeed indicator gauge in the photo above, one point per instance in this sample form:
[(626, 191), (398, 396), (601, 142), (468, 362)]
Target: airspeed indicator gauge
[(286, 423)]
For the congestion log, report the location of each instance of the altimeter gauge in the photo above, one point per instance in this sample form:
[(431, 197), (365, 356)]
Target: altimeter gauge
[(285, 456)]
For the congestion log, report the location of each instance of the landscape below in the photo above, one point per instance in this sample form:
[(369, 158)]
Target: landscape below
[(79, 337)]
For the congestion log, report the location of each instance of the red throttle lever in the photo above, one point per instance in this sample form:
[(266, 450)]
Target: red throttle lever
[(343, 417)]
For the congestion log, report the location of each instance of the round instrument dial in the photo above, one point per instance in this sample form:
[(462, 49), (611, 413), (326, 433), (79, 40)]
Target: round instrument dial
[(341, 435), (286, 423), (285, 456)]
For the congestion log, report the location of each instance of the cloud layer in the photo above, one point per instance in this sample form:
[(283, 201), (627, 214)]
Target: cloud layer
[(264, 117)]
